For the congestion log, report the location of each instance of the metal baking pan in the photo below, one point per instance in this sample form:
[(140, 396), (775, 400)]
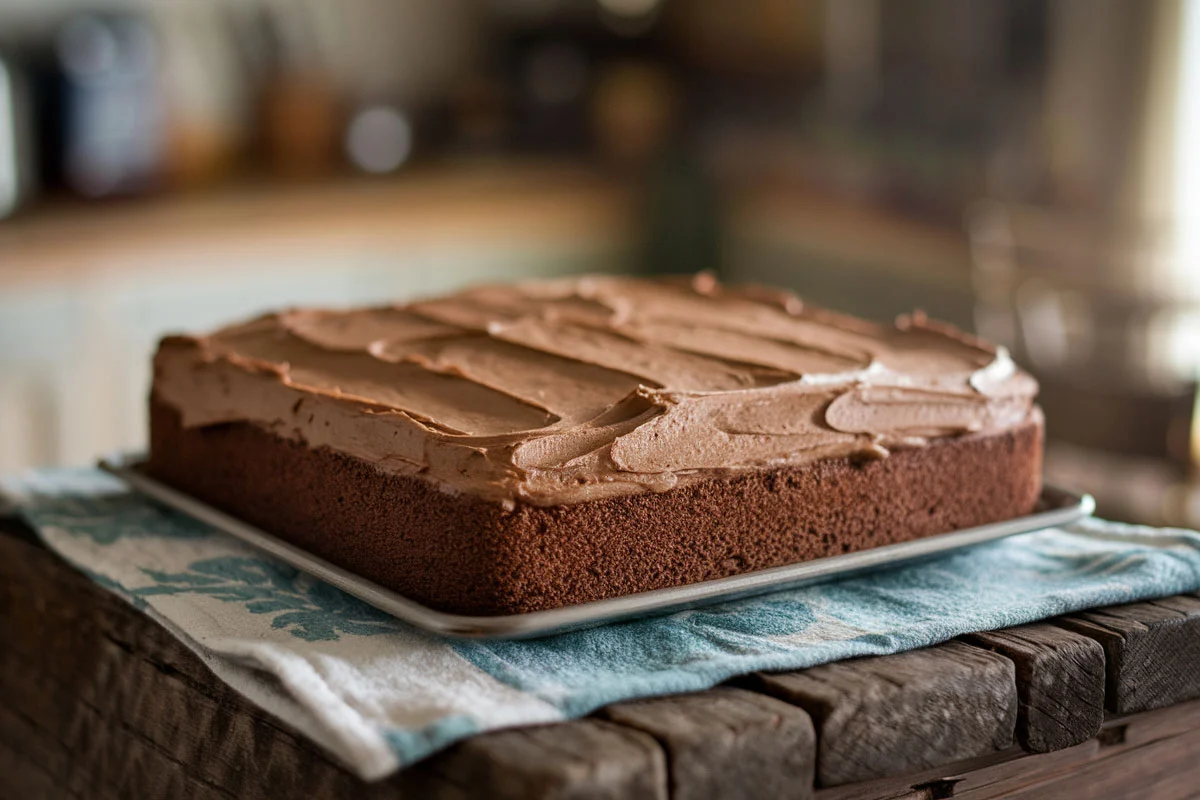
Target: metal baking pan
[(1056, 507)]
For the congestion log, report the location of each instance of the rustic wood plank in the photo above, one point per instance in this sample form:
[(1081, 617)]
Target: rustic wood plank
[(97, 701), (1013, 771), (1152, 651), (1130, 758), (895, 714), (586, 759), (23, 733), (725, 741), (28, 758), (124, 719), (123, 708), (26, 780), (175, 742), (1060, 683), (1167, 769), (138, 677), (87, 756)]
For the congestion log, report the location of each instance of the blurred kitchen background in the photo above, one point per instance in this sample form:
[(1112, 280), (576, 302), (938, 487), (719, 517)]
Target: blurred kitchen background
[(1026, 168)]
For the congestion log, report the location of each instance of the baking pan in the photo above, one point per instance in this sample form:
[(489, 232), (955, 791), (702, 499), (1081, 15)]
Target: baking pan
[(1056, 507)]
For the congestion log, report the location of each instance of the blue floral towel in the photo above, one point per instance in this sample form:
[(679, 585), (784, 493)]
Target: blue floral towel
[(379, 694)]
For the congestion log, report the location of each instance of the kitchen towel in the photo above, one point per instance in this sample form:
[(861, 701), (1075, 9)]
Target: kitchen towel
[(379, 694)]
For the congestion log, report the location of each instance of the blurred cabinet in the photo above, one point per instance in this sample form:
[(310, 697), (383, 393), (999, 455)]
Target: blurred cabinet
[(83, 303), (851, 257)]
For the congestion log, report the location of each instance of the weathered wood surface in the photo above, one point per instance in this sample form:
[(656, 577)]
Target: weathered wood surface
[(111, 705), (901, 713), (585, 758), (720, 742), (1060, 683), (1150, 756), (98, 701), (1152, 650)]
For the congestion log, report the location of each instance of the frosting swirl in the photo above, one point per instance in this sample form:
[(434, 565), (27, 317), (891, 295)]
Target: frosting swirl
[(566, 391)]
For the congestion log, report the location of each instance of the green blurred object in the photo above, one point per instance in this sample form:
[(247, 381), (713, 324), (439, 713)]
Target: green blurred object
[(682, 215)]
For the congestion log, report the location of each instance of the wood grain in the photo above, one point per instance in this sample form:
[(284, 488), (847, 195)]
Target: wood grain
[(1164, 770), (103, 702), (901, 713), (108, 697), (586, 758), (1123, 762), (722, 741), (1060, 683), (1152, 651), (97, 701)]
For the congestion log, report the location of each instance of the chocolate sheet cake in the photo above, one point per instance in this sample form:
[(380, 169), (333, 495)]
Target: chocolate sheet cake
[(515, 448)]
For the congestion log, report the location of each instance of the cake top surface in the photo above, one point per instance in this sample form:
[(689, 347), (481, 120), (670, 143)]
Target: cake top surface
[(565, 391)]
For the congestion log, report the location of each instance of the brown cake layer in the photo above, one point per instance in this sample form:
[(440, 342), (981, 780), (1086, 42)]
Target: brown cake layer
[(465, 554)]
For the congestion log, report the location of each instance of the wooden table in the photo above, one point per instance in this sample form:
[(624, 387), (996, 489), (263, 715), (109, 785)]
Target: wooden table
[(96, 700)]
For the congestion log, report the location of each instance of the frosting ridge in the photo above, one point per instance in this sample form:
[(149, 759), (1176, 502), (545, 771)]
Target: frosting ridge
[(564, 391)]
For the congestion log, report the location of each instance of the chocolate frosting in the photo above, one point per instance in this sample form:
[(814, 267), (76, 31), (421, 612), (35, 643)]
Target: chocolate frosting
[(565, 391)]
